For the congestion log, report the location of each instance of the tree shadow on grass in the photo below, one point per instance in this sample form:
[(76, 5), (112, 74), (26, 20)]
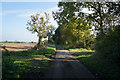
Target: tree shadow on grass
[(18, 64), (53, 46), (82, 58), (83, 53), (102, 67)]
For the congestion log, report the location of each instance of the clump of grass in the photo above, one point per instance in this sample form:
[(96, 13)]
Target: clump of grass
[(81, 49)]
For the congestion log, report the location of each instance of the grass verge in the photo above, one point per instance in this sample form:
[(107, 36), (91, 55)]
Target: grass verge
[(79, 49), (104, 67), (18, 63), (76, 49)]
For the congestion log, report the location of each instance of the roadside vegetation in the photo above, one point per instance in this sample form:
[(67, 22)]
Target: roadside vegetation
[(97, 30), (81, 49), (18, 64), (102, 67)]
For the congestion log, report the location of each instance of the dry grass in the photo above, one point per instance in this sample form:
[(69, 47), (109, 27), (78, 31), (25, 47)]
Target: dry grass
[(17, 46)]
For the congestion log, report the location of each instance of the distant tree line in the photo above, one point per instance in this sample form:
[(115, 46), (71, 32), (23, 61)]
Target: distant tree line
[(16, 42)]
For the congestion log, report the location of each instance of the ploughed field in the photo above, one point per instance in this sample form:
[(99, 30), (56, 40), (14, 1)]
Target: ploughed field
[(17, 46)]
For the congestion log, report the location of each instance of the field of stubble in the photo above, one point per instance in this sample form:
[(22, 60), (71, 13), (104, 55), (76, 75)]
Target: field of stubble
[(17, 46)]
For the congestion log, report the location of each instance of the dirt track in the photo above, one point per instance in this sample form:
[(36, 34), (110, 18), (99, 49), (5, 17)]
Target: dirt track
[(67, 66)]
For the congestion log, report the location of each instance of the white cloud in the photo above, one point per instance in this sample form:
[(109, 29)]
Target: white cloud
[(52, 21), (28, 13), (9, 12), (53, 8)]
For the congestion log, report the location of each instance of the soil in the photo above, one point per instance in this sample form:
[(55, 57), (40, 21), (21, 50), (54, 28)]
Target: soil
[(17, 46)]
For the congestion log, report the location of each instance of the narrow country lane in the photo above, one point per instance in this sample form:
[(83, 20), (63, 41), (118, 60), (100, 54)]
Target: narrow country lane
[(67, 66)]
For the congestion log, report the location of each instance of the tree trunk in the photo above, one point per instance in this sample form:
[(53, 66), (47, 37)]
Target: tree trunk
[(48, 38), (84, 44), (101, 24), (38, 44)]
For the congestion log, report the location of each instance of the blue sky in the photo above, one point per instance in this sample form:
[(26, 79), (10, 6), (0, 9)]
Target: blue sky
[(15, 16)]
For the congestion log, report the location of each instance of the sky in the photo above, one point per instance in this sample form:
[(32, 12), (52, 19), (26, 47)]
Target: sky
[(15, 16)]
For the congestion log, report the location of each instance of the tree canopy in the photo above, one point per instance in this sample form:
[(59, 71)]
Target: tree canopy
[(39, 24), (75, 26), (72, 27)]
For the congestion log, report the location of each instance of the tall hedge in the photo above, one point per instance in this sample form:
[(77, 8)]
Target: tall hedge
[(108, 46)]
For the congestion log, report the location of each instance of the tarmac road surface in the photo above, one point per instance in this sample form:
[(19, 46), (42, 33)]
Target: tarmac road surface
[(66, 65)]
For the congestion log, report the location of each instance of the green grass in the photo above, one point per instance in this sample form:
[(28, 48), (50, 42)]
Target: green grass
[(104, 67), (65, 47), (77, 49), (52, 46), (18, 64)]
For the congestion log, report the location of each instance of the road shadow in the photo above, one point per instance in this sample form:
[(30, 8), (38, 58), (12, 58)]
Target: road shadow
[(64, 65), (59, 47)]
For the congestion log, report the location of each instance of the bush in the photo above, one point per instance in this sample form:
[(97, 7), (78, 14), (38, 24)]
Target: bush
[(49, 50), (10, 69), (108, 46)]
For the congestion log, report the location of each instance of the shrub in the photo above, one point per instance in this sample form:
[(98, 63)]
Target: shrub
[(108, 46), (11, 69)]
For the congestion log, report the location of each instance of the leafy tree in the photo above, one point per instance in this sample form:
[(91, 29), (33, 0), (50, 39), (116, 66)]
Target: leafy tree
[(109, 46), (72, 28), (39, 24), (66, 12), (58, 36), (6, 41), (106, 20), (105, 15)]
